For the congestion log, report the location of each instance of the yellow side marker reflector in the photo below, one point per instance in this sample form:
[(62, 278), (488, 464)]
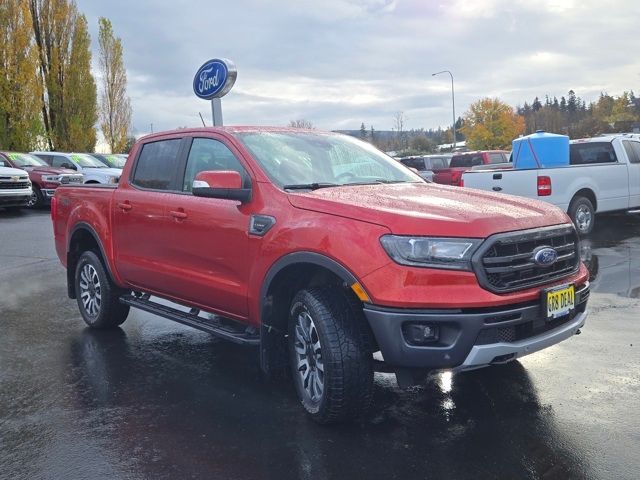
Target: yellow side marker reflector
[(360, 293)]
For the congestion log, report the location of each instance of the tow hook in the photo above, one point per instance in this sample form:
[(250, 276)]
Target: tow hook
[(578, 332)]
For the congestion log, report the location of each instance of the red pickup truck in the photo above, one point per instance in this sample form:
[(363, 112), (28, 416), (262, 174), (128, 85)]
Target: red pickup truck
[(321, 251), (462, 162)]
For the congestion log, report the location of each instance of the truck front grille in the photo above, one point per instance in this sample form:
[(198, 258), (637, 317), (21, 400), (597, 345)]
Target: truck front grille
[(65, 179), (4, 185), (505, 261)]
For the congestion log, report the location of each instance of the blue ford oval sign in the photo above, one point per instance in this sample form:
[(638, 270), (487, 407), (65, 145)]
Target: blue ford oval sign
[(545, 256), (215, 78)]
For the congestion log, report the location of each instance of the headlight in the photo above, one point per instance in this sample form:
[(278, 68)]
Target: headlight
[(113, 179), (450, 253), (51, 178)]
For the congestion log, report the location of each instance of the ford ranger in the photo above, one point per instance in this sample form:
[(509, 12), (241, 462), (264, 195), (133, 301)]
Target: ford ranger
[(321, 251)]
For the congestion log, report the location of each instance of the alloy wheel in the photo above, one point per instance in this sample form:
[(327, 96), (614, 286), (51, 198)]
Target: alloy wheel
[(90, 290), (308, 350)]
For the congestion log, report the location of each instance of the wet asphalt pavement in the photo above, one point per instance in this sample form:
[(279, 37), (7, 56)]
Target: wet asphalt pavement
[(156, 400)]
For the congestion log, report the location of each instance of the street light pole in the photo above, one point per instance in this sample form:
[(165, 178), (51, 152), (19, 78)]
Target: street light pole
[(453, 102)]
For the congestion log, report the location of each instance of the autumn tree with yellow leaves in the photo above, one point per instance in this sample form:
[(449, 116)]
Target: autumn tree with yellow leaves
[(20, 90), (69, 99), (491, 124)]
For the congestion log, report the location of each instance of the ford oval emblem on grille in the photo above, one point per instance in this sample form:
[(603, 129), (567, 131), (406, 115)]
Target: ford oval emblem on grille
[(545, 256)]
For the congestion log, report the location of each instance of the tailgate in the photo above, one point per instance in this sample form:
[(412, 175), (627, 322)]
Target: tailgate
[(515, 182)]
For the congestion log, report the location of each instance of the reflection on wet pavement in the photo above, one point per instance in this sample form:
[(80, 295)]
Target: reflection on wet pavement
[(160, 401), (612, 255)]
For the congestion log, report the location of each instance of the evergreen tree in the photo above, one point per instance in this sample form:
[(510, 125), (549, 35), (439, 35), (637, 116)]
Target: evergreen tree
[(363, 132), (115, 107)]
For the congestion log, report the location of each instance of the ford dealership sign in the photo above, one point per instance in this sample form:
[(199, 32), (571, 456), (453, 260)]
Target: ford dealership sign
[(215, 78)]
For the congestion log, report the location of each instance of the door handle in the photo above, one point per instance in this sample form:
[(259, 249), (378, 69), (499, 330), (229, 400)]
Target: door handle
[(125, 206), (178, 215), (497, 189), (497, 176)]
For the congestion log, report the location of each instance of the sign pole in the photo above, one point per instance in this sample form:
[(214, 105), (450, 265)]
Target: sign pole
[(216, 111)]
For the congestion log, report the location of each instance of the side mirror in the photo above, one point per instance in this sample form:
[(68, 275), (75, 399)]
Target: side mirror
[(225, 184)]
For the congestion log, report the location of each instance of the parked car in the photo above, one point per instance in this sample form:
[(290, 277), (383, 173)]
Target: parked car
[(427, 165), (603, 176), (461, 162), (15, 187), (44, 178), (320, 250), (93, 170), (110, 159)]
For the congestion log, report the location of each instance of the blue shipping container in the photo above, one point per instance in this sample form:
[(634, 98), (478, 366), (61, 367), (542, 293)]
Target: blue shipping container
[(541, 150)]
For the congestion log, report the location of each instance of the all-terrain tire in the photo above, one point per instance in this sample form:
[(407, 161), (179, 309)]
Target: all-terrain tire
[(97, 295), (340, 344)]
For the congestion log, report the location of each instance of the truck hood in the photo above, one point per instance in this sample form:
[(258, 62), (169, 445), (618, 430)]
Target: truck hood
[(42, 170), (4, 171), (431, 209), (107, 172)]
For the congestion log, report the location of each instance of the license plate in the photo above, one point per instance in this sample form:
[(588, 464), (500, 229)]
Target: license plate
[(560, 301)]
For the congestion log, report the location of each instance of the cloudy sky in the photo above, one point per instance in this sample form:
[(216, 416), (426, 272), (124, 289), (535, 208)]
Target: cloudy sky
[(338, 63)]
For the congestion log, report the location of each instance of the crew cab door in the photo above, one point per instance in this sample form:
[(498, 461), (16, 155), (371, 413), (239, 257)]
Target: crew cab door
[(632, 148), (138, 215), (207, 245)]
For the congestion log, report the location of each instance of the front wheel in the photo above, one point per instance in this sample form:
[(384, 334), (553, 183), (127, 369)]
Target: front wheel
[(97, 295), (37, 199), (330, 355), (582, 214)]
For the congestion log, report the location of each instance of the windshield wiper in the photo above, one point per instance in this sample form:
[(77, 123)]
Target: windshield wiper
[(310, 186), (377, 181)]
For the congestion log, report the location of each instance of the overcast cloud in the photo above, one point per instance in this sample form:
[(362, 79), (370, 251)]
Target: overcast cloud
[(338, 63)]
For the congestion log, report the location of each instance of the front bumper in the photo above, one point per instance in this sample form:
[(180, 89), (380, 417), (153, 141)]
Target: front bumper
[(15, 198), (473, 338)]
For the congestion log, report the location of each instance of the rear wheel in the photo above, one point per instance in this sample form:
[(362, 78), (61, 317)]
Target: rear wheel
[(330, 355), (97, 295), (582, 214)]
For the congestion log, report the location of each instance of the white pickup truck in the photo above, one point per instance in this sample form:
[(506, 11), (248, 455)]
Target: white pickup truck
[(603, 176), (15, 187)]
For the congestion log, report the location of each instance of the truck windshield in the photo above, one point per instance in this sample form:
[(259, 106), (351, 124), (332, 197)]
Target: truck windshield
[(87, 161), (298, 159), (112, 160), (25, 160)]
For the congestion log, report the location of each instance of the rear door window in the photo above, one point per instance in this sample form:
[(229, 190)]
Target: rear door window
[(417, 163), (592, 152), (467, 161), (438, 163), (496, 158), (157, 164), (633, 151)]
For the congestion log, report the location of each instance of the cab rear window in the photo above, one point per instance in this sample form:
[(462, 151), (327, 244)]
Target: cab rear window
[(592, 152), (465, 161)]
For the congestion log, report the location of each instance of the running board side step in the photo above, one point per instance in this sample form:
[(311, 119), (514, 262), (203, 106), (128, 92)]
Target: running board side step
[(191, 319)]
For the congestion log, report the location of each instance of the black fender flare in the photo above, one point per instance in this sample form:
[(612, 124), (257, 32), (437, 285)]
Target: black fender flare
[(304, 257), (272, 356), (71, 271)]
